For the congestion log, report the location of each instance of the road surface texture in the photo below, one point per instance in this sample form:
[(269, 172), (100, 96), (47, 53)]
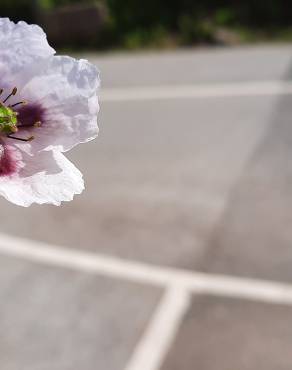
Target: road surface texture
[(178, 255)]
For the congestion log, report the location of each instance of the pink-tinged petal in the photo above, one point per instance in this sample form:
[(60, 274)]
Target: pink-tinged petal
[(21, 45), (10, 161), (66, 89), (48, 177)]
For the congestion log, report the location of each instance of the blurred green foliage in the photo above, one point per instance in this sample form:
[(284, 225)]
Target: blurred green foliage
[(50, 4), (157, 23), (17, 9)]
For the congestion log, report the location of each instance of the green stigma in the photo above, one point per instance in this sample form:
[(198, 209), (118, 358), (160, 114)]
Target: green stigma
[(8, 120)]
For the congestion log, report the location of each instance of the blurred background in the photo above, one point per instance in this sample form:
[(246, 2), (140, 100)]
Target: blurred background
[(107, 24), (191, 172)]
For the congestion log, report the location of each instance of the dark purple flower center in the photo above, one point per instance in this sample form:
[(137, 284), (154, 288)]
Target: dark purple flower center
[(30, 115), (14, 119), (19, 116)]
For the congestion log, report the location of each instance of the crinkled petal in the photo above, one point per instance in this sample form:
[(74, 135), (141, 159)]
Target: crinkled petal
[(48, 177), (66, 89), (21, 46)]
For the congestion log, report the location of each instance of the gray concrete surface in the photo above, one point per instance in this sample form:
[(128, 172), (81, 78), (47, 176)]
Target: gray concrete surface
[(156, 183), (218, 65), (232, 334), (56, 319), (253, 237), (199, 184)]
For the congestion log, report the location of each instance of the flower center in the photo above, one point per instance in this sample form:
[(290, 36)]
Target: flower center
[(8, 118)]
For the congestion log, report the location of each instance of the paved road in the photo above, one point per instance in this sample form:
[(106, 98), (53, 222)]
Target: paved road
[(195, 184)]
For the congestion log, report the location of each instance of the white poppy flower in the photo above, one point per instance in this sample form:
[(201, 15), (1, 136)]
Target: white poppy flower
[(48, 104)]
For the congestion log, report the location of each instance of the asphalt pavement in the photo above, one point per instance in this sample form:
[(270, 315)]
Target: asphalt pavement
[(195, 182)]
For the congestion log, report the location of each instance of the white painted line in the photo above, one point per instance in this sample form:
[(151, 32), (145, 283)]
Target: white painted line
[(234, 89), (161, 331), (219, 285)]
